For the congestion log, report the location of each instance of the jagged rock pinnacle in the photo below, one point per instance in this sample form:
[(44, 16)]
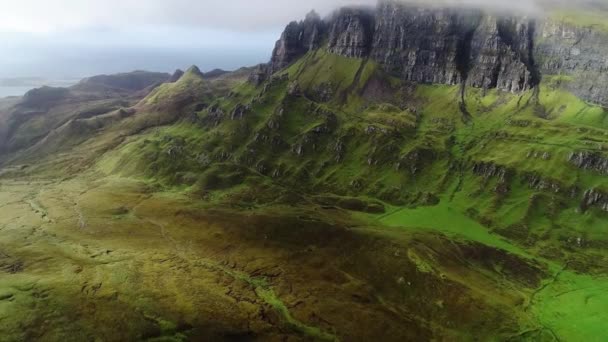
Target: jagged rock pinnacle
[(176, 76)]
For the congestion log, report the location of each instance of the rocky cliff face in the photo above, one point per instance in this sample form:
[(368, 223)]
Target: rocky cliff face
[(501, 54), (351, 33), (457, 46), (589, 161), (580, 54), (297, 39), (451, 46), (422, 45)]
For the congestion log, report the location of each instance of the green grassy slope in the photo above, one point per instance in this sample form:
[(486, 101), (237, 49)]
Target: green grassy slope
[(412, 141), (502, 179), (487, 215)]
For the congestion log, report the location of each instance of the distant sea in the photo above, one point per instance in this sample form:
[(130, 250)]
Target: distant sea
[(20, 86)]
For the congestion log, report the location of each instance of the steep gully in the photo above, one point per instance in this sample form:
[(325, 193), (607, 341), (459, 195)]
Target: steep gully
[(465, 60)]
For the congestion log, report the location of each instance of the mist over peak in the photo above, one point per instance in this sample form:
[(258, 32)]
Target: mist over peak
[(68, 38), (241, 15), (524, 7)]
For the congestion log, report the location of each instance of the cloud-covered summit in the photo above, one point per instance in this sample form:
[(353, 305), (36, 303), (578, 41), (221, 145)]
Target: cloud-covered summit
[(79, 38), (241, 15)]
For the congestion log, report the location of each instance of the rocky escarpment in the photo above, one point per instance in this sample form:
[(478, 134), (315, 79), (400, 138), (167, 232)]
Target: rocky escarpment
[(446, 46), (578, 55), (589, 161), (595, 198), (297, 39), (451, 46), (422, 44), (456, 46), (591, 198), (351, 33), (501, 54)]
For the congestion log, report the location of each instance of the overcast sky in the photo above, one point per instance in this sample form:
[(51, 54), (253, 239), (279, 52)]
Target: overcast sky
[(245, 15), (75, 38)]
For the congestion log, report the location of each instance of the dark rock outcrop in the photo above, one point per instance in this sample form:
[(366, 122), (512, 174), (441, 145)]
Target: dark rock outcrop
[(426, 45), (297, 39), (239, 112), (455, 46), (259, 74), (501, 54), (578, 55), (595, 198), (416, 160), (452, 46), (176, 76), (490, 170), (537, 182), (589, 161), (420, 44), (351, 33), (214, 116)]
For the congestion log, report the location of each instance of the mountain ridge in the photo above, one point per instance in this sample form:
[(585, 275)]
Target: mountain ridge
[(457, 47), (323, 196)]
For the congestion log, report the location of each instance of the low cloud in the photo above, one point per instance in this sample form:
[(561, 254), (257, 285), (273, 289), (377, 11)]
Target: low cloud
[(242, 15), (537, 7)]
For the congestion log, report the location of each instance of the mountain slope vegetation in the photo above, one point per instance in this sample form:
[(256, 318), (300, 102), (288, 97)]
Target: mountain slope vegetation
[(329, 198)]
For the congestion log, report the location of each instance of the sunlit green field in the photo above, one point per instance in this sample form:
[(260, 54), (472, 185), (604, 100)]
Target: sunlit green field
[(569, 306)]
